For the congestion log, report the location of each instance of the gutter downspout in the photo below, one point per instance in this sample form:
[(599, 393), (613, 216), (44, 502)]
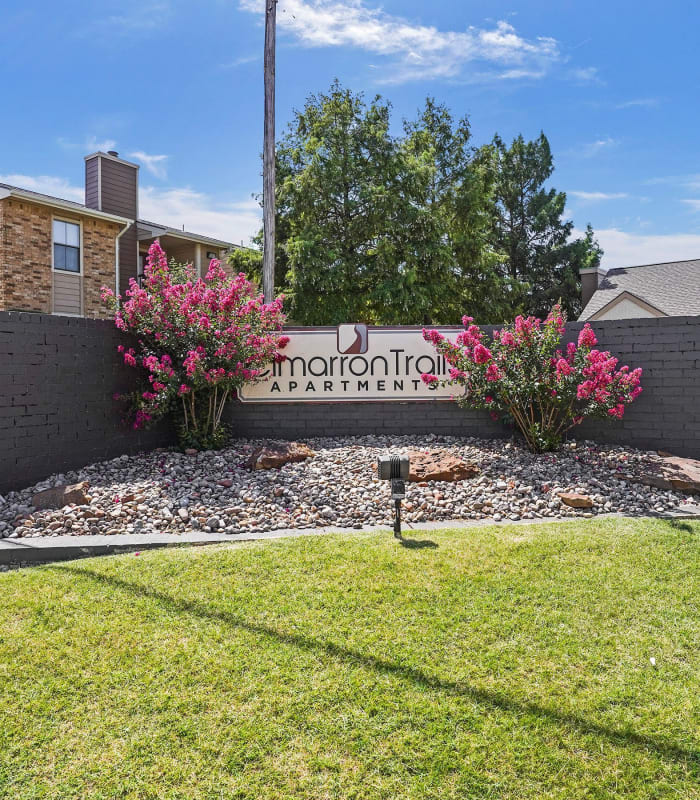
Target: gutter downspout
[(116, 256)]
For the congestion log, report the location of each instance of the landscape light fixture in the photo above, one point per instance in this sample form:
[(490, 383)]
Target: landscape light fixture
[(395, 469)]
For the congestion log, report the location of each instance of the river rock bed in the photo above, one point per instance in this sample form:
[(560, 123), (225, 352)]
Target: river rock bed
[(168, 491)]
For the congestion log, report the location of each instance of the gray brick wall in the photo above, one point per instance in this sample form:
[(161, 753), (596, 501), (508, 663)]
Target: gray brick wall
[(665, 416), (58, 375), (297, 420), (57, 379)]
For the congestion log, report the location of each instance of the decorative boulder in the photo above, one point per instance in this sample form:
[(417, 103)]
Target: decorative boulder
[(576, 500), (670, 472), (438, 465), (64, 495), (277, 455)]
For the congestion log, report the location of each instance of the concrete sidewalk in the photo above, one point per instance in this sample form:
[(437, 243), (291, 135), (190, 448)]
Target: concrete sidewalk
[(59, 548), (44, 549)]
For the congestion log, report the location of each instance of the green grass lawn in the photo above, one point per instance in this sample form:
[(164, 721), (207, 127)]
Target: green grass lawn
[(505, 662)]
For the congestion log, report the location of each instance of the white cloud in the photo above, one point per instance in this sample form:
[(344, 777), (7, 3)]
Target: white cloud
[(686, 183), (241, 61), (629, 249), (642, 102), (46, 184), (593, 196), (90, 145), (593, 148), (201, 213), (691, 181), (586, 75), (135, 19), (416, 51), (154, 164)]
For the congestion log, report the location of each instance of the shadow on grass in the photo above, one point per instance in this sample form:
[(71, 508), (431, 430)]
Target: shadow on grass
[(680, 525), (416, 544), (490, 699)]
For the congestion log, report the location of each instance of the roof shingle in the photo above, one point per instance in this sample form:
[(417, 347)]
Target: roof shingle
[(673, 287), (80, 208)]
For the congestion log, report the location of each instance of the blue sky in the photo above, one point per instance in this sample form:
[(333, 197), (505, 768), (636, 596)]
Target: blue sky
[(177, 86)]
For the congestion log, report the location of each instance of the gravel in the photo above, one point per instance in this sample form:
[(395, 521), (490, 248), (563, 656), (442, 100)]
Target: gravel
[(168, 491)]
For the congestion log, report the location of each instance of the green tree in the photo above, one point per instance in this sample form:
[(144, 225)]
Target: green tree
[(247, 260), (337, 179), (442, 262), (417, 228), (460, 194), (542, 262), (383, 229)]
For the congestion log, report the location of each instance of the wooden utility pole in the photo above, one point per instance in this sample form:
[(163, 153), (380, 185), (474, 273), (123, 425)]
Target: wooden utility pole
[(269, 154)]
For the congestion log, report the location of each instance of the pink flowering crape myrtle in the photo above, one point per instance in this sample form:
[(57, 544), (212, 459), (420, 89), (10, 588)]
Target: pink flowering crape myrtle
[(524, 376), (198, 342)]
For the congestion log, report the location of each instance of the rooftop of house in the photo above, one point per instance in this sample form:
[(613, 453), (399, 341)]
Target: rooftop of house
[(672, 288), (157, 229), (153, 230), (6, 190)]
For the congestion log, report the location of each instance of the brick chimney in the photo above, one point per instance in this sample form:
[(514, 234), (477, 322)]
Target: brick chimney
[(112, 185), (590, 280)]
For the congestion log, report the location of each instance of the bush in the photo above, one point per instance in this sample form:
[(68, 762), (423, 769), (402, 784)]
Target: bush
[(199, 340), (523, 376)]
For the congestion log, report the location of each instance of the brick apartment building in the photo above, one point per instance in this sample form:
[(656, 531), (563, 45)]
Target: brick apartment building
[(55, 254)]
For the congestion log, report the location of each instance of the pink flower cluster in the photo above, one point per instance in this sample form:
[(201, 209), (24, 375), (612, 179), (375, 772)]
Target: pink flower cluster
[(606, 386), (524, 376), (587, 338), (195, 336)]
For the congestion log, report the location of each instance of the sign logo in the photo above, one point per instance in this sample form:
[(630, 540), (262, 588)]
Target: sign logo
[(353, 363), (353, 339)]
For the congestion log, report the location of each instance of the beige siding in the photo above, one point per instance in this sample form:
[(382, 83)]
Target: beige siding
[(626, 308), (67, 291), (182, 253)]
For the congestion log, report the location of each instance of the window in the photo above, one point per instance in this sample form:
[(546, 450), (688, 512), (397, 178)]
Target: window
[(66, 246)]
